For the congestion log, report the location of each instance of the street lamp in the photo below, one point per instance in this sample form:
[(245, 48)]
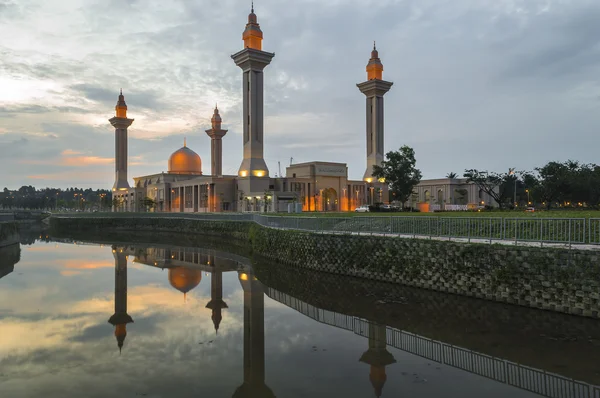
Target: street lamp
[(512, 173), (528, 202)]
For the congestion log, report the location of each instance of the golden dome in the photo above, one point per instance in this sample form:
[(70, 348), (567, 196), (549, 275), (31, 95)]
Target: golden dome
[(184, 279), (185, 161)]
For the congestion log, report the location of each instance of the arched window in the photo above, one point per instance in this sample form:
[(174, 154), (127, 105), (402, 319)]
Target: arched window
[(426, 196)]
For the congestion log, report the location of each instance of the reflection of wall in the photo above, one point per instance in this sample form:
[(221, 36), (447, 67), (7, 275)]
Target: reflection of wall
[(514, 333), (9, 256)]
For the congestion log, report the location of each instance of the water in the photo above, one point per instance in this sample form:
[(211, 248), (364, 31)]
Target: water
[(157, 320)]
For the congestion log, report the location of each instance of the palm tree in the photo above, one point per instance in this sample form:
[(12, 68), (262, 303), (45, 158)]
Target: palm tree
[(451, 175)]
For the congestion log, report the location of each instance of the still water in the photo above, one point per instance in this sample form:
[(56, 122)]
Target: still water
[(158, 320)]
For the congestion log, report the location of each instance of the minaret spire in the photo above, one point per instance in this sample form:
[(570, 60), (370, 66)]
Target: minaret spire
[(216, 133), (121, 123), (185, 141), (252, 35), (253, 60), (374, 89)]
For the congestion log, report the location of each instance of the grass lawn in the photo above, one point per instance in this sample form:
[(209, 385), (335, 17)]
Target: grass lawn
[(502, 214)]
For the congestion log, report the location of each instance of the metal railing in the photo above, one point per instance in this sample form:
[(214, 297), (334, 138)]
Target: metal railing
[(524, 377), (567, 231)]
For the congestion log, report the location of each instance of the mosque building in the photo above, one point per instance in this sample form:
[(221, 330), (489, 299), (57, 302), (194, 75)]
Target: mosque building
[(311, 186)]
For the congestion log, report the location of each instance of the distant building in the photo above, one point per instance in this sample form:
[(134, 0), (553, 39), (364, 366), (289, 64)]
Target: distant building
[(449, 194)]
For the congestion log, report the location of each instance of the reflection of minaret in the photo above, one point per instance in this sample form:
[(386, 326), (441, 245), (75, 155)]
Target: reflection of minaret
[(254, 340), (216, 303), (121, 123), (374, 89), (120, 318), (216, 133), (252, 60), (377, 356)]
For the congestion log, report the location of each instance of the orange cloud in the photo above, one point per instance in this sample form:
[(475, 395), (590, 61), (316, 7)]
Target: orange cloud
[(70, 152), (87, 264), (85, 161)]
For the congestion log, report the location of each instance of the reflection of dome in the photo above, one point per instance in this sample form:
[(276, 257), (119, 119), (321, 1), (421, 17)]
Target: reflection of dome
[(185, 161), (184, 279)]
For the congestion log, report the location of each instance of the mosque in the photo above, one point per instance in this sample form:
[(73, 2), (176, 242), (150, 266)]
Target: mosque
[(311, 186)]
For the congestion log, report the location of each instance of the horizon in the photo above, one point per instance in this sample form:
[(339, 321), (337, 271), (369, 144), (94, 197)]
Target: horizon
[(475, 85)]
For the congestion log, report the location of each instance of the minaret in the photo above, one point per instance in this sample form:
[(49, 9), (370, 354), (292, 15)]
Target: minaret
[(216, 144), (121, 123), (254, 340), (252, 60), (374, 89), (120, 318), (377, 356), (216, 303)]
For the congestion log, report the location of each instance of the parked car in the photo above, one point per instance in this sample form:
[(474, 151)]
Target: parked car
[(530, 209), (362, 209)]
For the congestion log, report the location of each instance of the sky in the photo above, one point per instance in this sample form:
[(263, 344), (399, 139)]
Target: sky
[(487, 84)]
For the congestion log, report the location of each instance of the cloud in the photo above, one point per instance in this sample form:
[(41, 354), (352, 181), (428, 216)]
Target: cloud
[(70, 152), (472, 79), (80, 161)]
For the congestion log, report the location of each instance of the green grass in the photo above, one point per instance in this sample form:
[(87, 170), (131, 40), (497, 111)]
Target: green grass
[(502, 214)]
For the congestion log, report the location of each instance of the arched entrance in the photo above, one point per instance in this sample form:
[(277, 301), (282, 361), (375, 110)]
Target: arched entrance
[(329, 200)]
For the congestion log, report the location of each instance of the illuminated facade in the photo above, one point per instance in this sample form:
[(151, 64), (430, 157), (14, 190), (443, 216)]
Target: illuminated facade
[(311, 186)]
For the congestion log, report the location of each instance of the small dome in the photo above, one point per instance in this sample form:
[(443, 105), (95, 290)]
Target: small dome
[(185, 161), (184, 279)]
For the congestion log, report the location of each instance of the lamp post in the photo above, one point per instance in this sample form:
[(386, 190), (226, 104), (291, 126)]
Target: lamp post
[(528, 201), (512, 173)]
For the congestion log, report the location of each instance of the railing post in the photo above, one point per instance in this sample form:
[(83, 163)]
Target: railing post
[(469, 229), (541, 232), (570, 232), (516, 231)]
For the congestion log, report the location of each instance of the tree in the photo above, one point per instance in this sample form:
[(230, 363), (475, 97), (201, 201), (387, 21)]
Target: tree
[(399, 172), (553, 182), (148, 203), (452, 175), (496, 185)]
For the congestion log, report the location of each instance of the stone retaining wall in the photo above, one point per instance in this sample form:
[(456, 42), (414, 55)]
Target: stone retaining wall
[(553, 279)]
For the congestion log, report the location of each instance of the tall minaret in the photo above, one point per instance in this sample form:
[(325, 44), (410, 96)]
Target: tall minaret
[(377, 356), (254, 340), (374, 88), (216, 144), (120, 318), (121, 123), (252, 60), (216, 303)]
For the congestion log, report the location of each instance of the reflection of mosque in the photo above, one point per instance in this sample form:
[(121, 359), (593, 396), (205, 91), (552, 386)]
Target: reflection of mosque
[(185, 273), (185, 267)]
